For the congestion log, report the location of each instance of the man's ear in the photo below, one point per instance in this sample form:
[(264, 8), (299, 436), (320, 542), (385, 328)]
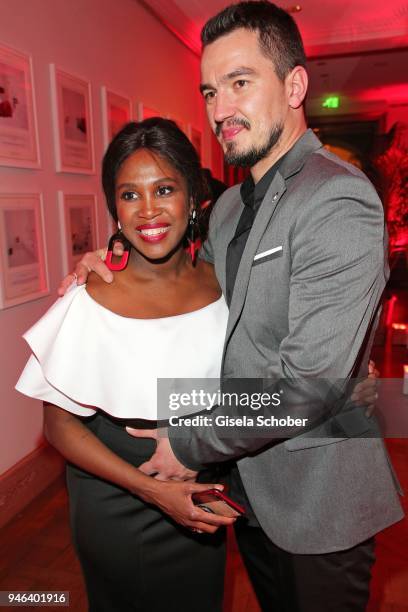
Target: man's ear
[(297, 82)]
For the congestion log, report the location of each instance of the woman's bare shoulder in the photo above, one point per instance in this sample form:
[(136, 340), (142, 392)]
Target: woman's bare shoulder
[(99, 289), (95, 283), (114, 296)]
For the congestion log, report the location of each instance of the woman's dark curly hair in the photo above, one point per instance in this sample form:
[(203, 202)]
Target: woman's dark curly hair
[(163, 137)]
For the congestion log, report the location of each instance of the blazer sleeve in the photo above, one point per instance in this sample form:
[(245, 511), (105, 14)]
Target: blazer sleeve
[(337, 277)]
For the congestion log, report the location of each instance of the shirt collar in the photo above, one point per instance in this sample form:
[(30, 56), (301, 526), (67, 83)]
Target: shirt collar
[(251, 194)]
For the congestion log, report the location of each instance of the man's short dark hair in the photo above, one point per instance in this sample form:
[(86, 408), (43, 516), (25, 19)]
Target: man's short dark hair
[(279, 36)]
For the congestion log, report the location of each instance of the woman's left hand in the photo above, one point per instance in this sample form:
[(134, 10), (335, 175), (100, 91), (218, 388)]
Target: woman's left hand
[(175, 499)]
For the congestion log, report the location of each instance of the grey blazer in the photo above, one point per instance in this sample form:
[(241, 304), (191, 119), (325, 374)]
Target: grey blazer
[(305, 301)]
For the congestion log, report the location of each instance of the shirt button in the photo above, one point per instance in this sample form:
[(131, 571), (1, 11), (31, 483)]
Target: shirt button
[(275, 197)]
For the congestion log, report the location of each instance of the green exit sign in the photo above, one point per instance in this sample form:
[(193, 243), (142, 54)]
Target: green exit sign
[(331, 102)]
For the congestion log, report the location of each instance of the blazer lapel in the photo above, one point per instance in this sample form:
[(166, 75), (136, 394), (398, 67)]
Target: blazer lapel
[(268, 206), (292, 164)]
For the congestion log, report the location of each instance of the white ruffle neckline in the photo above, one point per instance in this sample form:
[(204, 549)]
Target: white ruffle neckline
[(86, 357)]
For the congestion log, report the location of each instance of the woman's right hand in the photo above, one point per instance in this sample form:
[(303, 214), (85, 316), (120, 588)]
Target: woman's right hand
[(90, 262), (175, 499)]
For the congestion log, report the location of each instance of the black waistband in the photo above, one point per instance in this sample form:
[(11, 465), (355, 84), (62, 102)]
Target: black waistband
[(135, 423)]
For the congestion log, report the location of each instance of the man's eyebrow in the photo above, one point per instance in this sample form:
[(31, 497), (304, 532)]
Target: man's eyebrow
[(241, 71)]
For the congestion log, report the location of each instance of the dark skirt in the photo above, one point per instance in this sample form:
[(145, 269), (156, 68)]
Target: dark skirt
[(134, 557)]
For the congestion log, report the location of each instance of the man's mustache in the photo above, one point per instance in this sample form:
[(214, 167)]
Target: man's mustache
[(230, 123)]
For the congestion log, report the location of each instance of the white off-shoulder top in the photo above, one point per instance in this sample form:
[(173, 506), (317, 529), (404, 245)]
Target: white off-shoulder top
[(86, 357)]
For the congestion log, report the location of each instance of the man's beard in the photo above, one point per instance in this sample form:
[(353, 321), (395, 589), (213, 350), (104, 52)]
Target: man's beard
[(248, 159)]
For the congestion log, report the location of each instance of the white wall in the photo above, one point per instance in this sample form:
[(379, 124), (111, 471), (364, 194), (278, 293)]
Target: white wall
[(116, 43)]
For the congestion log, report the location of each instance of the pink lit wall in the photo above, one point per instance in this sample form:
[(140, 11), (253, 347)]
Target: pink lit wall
[(113, 43)]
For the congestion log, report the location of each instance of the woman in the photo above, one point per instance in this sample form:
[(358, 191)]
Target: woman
[(98, 352)]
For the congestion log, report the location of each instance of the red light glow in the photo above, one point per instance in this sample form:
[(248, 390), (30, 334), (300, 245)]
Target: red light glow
[(391, 93), (390, 308)]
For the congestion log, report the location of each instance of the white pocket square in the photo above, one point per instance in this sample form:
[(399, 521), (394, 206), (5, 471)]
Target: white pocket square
[(266, 253)]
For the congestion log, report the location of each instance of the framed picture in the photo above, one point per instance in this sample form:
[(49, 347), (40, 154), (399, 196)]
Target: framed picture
[(78, 215), (18, 119), (72, 114), (144, 112), (24, 273), (195, 137), (116, 112)]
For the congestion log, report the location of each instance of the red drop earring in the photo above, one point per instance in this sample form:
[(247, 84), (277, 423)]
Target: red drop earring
[(194, 243), (121, 265)]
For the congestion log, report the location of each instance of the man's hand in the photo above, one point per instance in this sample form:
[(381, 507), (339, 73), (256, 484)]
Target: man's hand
[(366, 391), (163, 465), (90, 262)]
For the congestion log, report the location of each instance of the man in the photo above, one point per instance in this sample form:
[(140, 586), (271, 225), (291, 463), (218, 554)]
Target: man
[(298, 251)]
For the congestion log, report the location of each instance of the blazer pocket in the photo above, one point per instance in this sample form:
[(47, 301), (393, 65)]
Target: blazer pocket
[(303, 442), (267, 255), (352, 424)]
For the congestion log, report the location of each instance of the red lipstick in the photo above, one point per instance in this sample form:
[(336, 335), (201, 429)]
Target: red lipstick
[(153, 232)]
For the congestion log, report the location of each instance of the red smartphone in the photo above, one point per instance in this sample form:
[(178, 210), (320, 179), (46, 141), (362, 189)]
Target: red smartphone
[(216, 502)]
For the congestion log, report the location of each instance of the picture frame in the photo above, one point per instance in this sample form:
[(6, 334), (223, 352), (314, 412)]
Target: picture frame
[(23, 262), (145, 112), (196, 138), (79, 226), (116, 112), (19, 144), (73, 122)]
